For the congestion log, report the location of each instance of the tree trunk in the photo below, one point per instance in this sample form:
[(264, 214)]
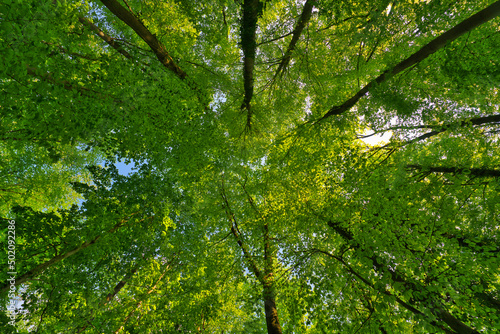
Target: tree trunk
[(269, 294), (272, 320), (266, 278)]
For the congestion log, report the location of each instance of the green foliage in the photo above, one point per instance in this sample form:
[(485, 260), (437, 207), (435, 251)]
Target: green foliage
[(220, 221)]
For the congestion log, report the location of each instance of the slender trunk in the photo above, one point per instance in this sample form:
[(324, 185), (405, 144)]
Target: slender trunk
[(398, 300), (269, 293), (478, 172), (119, 286), (492, 119), (108, 39), (301, 24), (266, 277), (41, 267), (111, 295)]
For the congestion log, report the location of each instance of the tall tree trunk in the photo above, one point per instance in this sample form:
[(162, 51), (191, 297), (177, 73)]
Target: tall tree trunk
[(269, 293), (272, 319), (266, 277)]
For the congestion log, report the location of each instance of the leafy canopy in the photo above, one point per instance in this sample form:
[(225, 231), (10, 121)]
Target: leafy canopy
[(257, 203)]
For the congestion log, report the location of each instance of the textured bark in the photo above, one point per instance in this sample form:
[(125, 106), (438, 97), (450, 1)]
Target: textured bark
[(158, 48), (439, 42), (269, 293), (251, 11), (272, 320)]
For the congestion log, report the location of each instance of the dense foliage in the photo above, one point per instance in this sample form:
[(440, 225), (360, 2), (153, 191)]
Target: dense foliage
[(256, 204)]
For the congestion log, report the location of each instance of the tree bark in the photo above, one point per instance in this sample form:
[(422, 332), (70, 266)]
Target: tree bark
[(269, 293), (266, 277), (272, 319), (251, 11)]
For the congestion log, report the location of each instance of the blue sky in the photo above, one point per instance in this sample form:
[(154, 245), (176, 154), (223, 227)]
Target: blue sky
[(123, 168)]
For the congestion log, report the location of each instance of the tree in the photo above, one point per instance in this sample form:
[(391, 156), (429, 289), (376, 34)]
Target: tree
[(256, 205)]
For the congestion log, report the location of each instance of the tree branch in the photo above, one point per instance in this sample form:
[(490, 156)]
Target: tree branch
[(439, 42), (301, 24), (41, 267), (237, 235), (437, 310), (153, 42), (478, 172), (68, 85), (111, 295), (108, 39), (139, 304), (251, 12), (383, 291), (472, 121)]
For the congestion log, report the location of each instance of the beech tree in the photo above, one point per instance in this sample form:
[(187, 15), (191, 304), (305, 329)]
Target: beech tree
[(258, 202)]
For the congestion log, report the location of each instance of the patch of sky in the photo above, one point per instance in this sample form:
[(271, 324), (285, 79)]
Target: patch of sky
[(218, 99), (124, 168), (377, 139)]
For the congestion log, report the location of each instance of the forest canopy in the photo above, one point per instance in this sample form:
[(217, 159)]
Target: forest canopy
[(258, 203)]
